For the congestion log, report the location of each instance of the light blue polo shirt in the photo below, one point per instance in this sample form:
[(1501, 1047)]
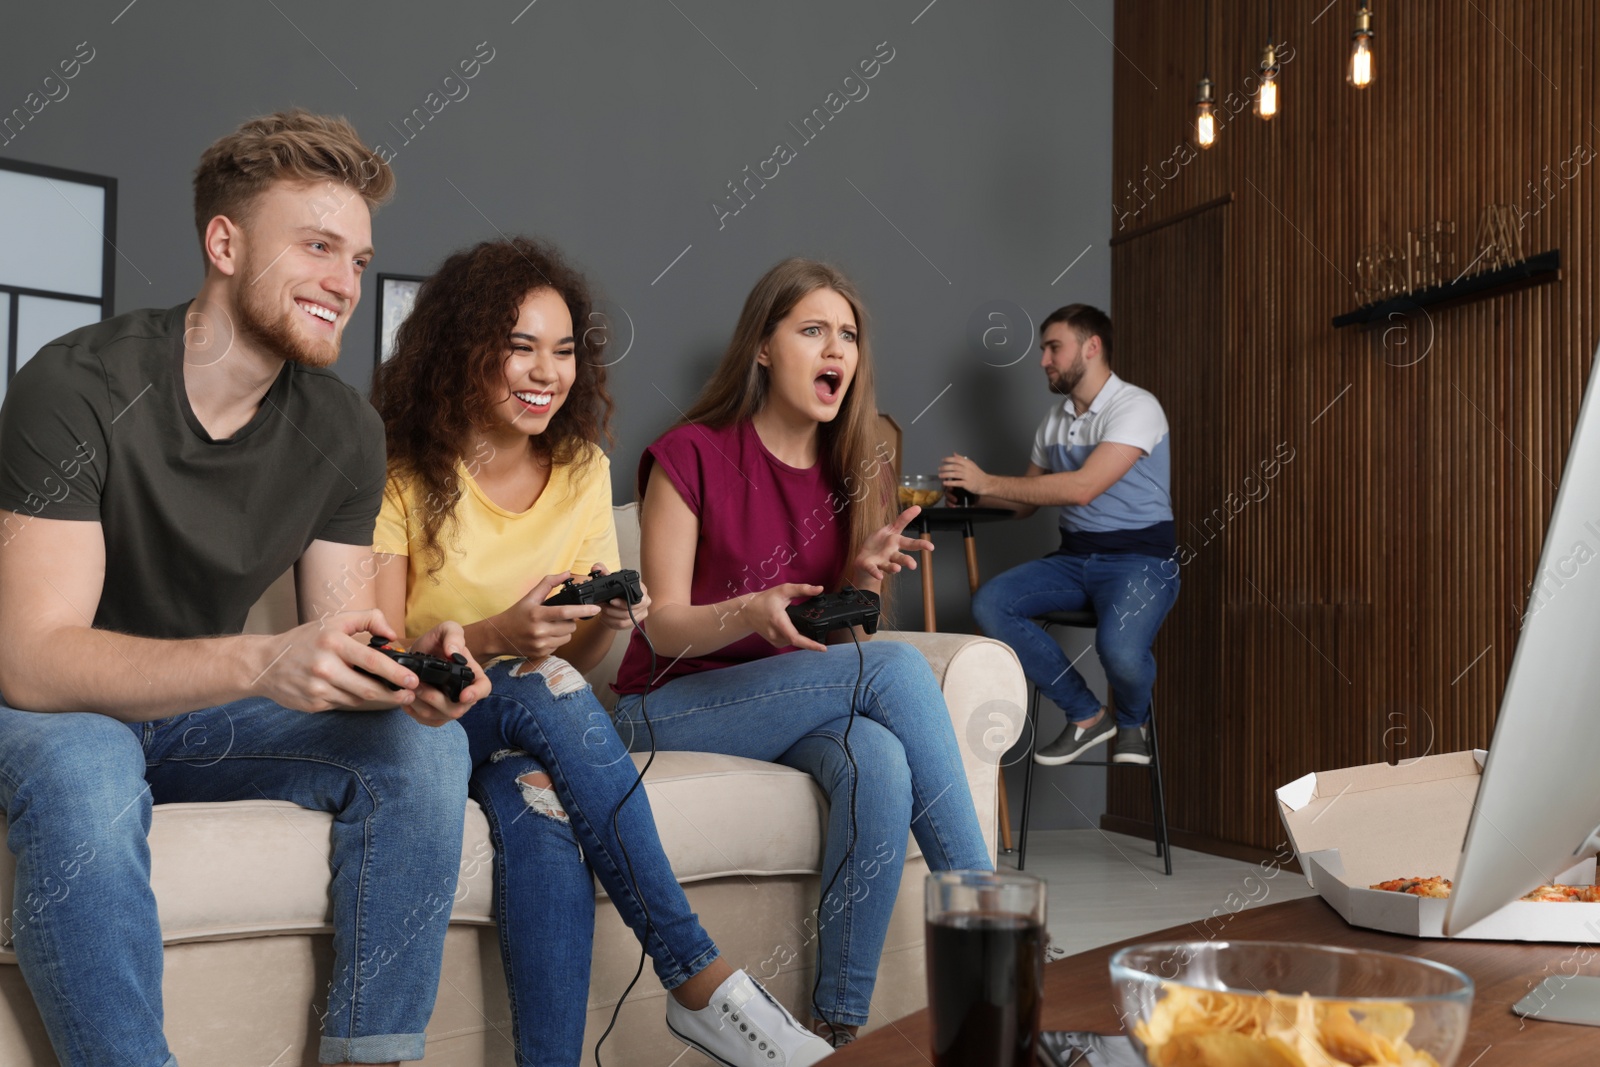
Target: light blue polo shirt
[(1135, 513)]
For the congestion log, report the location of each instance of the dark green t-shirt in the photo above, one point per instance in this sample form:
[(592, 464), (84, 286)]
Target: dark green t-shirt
[(97, 427)]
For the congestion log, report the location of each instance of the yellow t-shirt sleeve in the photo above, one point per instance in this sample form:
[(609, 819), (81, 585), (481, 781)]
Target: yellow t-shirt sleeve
[(600, 540), (389, 536)]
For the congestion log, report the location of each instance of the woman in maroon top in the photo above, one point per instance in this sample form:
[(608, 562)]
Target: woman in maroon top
[(769, 492)]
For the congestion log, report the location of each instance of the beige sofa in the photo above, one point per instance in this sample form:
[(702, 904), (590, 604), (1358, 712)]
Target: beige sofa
[(242, 890)]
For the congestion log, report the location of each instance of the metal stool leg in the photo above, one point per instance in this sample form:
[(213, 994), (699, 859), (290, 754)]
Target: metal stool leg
[(1155, 809), (1156, 787), (1027, 780), (1158, 796)]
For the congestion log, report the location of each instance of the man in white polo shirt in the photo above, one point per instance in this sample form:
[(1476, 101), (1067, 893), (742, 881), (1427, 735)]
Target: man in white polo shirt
[(1101, 455)]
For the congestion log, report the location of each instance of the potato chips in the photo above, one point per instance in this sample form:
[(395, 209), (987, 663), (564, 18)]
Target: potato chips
[(1204, 1028)]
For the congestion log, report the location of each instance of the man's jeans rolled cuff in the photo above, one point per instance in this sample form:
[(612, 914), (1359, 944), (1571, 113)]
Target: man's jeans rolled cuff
[(377, 1048)]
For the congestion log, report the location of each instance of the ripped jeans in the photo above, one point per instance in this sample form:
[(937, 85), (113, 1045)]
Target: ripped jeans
[(544, 723)]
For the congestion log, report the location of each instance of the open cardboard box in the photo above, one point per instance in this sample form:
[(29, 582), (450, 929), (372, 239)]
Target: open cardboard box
[(1354, 827)]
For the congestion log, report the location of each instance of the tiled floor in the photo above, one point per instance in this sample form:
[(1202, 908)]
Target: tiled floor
[(1107, 887)]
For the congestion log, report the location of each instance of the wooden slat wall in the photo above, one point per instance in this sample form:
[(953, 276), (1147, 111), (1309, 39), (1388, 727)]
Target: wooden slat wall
[(1365, 607)]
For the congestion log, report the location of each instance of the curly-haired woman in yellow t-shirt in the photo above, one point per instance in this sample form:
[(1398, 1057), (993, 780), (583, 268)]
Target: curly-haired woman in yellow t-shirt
[(496, 407)]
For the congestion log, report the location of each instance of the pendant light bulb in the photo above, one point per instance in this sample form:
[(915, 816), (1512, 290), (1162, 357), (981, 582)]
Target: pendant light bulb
[(1360, 74), (1267, 94), (1205, 121)]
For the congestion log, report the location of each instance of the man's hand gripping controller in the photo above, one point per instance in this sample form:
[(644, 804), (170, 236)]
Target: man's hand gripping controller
[(449, 676)]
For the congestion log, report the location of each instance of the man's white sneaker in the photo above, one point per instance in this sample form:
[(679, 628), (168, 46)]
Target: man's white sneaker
[(744, 1026)]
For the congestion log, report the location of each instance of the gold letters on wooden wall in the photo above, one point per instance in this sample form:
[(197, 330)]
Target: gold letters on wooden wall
[(1427, 256)]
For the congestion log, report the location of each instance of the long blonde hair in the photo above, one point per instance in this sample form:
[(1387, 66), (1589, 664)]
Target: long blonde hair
[(738, 390)]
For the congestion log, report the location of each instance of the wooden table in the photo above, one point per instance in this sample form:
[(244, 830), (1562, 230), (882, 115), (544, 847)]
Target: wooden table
[(1078, 995), (937, 520)]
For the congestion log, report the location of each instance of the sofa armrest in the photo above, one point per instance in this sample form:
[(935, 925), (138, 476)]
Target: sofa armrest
[(987, 694)]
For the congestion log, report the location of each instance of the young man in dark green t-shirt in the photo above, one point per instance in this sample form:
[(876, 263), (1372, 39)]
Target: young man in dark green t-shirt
[(157, 472)]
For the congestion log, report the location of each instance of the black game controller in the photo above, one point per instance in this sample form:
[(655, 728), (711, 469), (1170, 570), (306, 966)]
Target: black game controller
[(449, 676), (821, 615), (599, 589)]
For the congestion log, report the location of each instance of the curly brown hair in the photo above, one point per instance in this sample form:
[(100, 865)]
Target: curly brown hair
[(445, 376)]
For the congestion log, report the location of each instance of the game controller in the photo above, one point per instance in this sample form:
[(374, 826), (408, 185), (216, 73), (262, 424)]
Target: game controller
[(821, 615), (599, 589), (449, 676)]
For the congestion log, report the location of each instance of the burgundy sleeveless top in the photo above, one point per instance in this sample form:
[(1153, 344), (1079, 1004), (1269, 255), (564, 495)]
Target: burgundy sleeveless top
[(762, 523)]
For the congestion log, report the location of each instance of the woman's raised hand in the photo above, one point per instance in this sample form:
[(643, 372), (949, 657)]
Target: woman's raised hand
[(888, 550)]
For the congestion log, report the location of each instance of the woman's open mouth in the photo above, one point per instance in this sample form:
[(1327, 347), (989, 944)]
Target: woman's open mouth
[(827, 385)]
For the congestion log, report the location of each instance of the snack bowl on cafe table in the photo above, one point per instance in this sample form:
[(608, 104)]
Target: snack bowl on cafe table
[(1287, 1004), (923, 490)]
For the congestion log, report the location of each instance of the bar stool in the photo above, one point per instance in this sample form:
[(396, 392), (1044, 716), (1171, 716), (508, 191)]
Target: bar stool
[(1086, 619)]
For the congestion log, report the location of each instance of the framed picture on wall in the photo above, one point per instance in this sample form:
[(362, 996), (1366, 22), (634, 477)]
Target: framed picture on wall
[(396, 292), (57, 258)]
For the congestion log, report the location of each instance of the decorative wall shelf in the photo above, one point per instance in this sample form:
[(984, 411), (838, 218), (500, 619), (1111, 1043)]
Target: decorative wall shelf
[(1535, 270)]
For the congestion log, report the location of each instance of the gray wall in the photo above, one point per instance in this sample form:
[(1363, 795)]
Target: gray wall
[(973, 172)]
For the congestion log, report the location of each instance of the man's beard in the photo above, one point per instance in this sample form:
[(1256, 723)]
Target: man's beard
[(1064, 382), (264, 324)]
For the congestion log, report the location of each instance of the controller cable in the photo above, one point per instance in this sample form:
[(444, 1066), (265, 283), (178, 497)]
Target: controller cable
[(616, 829), (633, 877), (850, 841)]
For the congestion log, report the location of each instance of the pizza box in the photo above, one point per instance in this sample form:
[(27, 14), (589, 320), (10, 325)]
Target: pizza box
[(1354, 827)]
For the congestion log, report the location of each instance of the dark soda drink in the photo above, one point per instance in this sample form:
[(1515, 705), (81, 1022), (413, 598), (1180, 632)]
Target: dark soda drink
[(985, 977)]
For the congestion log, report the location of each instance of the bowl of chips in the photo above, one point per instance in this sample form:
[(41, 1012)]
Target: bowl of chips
[(1285, 1004), (922, 490)]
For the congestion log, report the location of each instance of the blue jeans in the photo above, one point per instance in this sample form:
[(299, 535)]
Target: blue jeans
[(793, 709), (545, 846), (1131, 594), (78, 788)]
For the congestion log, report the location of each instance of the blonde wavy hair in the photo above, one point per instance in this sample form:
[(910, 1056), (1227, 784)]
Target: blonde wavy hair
[(296, 145)]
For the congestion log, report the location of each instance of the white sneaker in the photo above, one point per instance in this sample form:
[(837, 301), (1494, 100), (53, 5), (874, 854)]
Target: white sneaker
[(744, 1026)]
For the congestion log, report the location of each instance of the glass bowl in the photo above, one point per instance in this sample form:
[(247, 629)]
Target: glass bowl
[(1201, 1003), (923, 490)]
